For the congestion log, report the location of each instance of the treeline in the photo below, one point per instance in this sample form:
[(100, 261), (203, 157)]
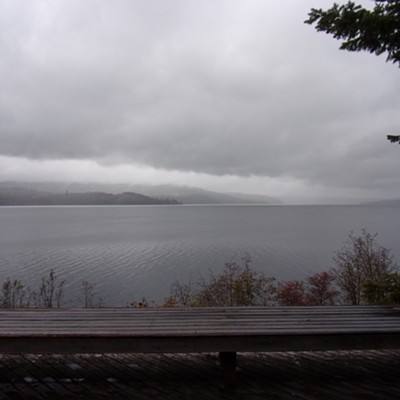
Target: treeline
[(364, 273), (24, 197), (49, 294)]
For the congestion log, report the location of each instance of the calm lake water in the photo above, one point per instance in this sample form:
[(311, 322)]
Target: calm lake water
[(128, 252)]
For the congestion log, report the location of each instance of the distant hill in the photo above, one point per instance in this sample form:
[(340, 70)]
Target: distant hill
[(25, 197), (190, 195), (388, 202), (182, 194)]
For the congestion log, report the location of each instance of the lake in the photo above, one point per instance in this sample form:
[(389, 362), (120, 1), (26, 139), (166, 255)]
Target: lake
[(127, 252)]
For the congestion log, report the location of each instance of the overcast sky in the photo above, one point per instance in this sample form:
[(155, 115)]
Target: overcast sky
[(228, 95)]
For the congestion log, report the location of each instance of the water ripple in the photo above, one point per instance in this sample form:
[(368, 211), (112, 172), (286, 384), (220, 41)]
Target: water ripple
[(125, 259)]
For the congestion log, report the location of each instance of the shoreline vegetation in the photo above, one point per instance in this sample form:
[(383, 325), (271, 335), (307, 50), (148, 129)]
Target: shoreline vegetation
[(364, 273)]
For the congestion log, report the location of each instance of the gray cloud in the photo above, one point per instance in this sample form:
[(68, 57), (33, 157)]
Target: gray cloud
[(221, 88)]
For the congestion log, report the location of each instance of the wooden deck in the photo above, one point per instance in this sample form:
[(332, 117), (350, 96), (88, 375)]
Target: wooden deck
[(339, 375), (227, 331)]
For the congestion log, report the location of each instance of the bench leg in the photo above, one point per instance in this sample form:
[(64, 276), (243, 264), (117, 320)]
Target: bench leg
[(228, 364)]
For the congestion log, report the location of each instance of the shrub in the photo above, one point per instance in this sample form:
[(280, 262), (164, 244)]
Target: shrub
[(13, 294), (237, 285), (383, 291), (360, 260), (292, 293), (317, 291), (321, 290)]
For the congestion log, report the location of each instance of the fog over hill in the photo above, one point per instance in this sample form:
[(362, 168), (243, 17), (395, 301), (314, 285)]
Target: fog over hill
[(388, 202), (183, 194), (30, 197)]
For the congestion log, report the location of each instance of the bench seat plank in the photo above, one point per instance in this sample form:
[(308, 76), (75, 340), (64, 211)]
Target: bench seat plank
[(197, 322)]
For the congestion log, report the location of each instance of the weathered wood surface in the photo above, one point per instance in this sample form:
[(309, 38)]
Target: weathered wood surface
[(199, 321), (344, 375), (199, 329)]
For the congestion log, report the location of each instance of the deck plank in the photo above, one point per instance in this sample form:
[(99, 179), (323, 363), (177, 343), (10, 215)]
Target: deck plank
[(346, 375)]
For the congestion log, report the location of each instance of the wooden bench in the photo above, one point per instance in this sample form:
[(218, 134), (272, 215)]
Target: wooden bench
[(191, 330)]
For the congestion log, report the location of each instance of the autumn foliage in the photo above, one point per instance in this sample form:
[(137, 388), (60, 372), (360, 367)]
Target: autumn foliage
[(318, 290), (240, 285)]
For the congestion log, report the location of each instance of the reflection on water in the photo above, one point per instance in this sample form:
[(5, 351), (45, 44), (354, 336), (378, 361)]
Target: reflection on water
[(128, 252)]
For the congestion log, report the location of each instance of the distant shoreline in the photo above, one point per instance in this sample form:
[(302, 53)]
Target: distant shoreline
[(27, 197)]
